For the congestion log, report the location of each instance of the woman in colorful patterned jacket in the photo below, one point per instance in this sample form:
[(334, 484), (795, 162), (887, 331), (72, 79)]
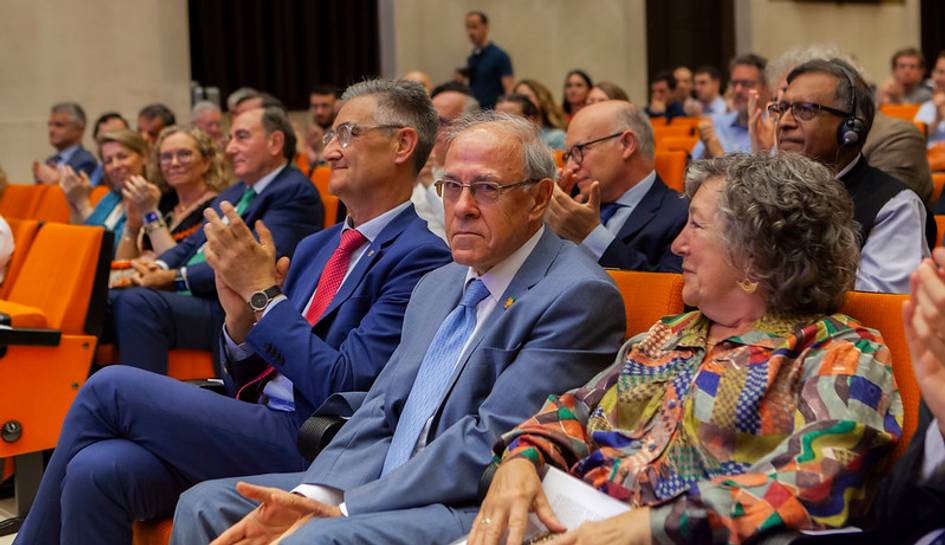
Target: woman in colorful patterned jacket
[(761, 411)]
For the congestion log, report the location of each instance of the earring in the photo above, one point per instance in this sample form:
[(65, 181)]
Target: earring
[(747, 285)]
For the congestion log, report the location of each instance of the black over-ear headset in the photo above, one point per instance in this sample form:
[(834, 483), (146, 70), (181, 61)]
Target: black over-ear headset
[(852, 130)]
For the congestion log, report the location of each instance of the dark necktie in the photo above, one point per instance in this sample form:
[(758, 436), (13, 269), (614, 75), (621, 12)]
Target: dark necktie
[(607, 211)]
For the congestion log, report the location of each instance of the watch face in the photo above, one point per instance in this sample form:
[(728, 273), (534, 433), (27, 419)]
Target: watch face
[(258, 300)]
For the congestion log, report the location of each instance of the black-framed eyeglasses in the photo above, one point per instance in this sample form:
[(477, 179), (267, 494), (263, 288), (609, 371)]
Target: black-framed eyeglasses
[(184, 156), (482, 192), (349, 131), (577, 150), (803, 111)]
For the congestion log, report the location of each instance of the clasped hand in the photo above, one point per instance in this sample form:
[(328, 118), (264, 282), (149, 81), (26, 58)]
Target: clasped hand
[(574, 218)]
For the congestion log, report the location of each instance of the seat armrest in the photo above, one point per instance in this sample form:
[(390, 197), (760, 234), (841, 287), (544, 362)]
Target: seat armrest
[(22, 336), (316, 433)]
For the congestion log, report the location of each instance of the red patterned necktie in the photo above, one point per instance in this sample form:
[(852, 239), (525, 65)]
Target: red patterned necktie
[(334, 273)]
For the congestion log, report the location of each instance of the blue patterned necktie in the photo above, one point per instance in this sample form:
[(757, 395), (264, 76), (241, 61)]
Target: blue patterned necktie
[(434, 374), (607, 211)]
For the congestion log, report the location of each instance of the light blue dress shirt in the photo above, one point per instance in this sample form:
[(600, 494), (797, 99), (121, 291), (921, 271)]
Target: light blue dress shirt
[(732, 136), (600, 238), (926, 114)]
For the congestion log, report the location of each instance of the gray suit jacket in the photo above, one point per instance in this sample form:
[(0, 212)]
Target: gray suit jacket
[(565, 325)]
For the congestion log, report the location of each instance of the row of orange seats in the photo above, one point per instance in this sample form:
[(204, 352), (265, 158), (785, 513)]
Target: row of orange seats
[(40, 202)]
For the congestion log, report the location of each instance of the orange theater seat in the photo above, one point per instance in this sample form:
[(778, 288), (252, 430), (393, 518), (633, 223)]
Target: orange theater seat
[(152, 532), (671, 166), (658, 121), (320, 177), (883, 312), (940, 223), (53, 206), (647, 297), (679, 131), (24, 232), (559, 158), (922, 128), (330, 202), (20, 201), (98, 192), (938, 182), (684, 121), (677, 143), (901, 111)]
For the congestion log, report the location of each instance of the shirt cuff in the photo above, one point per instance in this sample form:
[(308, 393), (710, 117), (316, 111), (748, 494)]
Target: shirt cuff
[(933, 459), (162, 264), (323, 494), (597, 242), (235, 352)]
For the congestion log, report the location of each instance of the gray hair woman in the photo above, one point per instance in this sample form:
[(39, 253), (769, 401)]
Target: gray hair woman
[(760, 410)]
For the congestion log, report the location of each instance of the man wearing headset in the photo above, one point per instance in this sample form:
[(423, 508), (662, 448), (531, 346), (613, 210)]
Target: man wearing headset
[(826, 114)]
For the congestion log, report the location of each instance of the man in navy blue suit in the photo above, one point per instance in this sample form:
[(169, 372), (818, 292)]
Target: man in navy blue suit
[(624, 214), (176, 305), (66, 126), (134, 440)]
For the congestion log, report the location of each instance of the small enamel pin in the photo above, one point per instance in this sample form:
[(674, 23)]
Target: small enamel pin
[(509, 302), (370, 253)]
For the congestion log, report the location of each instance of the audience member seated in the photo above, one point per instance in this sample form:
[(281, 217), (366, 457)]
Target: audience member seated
[(577, 83), (177, 305), (107, 122), (893, 145), (485, 339), (683, 77), (523, 106), (623, 215), (124, 156), (66, 126), (206, 116), (190, 169), (321, 102), (313, 147), (488, 67), (911, 499), (707, 82), (234, 98), (906, 85), (143, 438), (420, 77), (747, 415), (257, 100), (663, 101), (152, 119), (552, 116), (605, 90), (826, 114), (932, 111), (728, 132)]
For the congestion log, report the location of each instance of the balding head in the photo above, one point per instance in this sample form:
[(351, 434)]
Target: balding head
[(623, 152)]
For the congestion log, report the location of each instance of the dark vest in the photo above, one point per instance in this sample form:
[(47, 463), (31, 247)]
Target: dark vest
[(870, 189)]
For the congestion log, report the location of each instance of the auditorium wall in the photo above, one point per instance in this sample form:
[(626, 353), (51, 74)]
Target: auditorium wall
[(100, 53)]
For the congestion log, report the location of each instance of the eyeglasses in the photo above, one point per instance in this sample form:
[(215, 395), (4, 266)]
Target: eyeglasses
[(577, 150), (184, 156), (347, 131), (803, 111), (482, 192), (746, 83)]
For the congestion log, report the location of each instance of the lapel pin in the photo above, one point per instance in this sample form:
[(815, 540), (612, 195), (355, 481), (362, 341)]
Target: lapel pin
[(509, 302), (370, 253)]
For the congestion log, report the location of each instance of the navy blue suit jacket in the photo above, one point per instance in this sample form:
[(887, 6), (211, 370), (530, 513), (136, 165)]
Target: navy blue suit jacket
[(290, 207), (81, 161), (643, 243), (359, 330)]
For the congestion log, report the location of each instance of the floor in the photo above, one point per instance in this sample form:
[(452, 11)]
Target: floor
[(6, 511)]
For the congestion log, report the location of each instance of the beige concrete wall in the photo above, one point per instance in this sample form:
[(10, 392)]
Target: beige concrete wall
[(871, 32), (104, 54), (545, 38)]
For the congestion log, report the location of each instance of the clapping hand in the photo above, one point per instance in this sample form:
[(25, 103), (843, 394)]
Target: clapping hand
[(924, 320)]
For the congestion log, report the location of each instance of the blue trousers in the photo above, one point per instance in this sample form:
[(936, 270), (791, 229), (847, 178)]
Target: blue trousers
[(133, 441), (208, 509), (148, 323)]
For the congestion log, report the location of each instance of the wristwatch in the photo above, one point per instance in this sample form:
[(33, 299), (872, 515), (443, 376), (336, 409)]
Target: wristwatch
[(259, 300), (180, 279)]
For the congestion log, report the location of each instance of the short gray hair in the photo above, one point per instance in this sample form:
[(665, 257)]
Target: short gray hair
[(797, 56), (402, 102), (471, 105), (275, 119), (202, 107), (637, 121), (789, 223), (537, 160), (239, 95), (73, 110)]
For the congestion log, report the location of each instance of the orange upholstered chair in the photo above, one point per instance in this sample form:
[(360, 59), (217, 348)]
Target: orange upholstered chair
[(671, 130), (20, 201), (98, 192), (330, 202), (24, 231), (683, 121), (938, 182), (658, 121), (559, 158), (53, 206), (883, 312), (320, 177), (677, 143), (671, 166), (152, 532), (901, 111), (940, 223), (647, 297)]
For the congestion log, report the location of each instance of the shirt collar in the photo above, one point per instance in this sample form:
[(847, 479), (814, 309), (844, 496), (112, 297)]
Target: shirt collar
[(67, 153), (498, 278), (262, 183), (849, 166), (371, 229), (634, 195)]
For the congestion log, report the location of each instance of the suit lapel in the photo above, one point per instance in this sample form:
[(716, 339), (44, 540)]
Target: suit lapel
[(313, 271), (644, 212)]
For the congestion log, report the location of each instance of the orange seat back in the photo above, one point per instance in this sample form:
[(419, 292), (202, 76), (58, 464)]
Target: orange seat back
[(152, 532), (883, 312), (938, 182), (685, 121), (98, 192), (658, 121), (20, 201), (320, 177), (59, 274), (330, 202), (677, 143), (187, 364), (53, 206), (647, 297), (24, 232), (922, 128), (901, 111), (940, 223), (671, 166), (679, 131), (559, 158)]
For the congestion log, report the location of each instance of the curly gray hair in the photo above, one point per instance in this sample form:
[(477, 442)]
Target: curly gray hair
[(789, 223)]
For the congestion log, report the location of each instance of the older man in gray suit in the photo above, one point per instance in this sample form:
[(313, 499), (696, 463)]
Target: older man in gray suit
[(520, 314)]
